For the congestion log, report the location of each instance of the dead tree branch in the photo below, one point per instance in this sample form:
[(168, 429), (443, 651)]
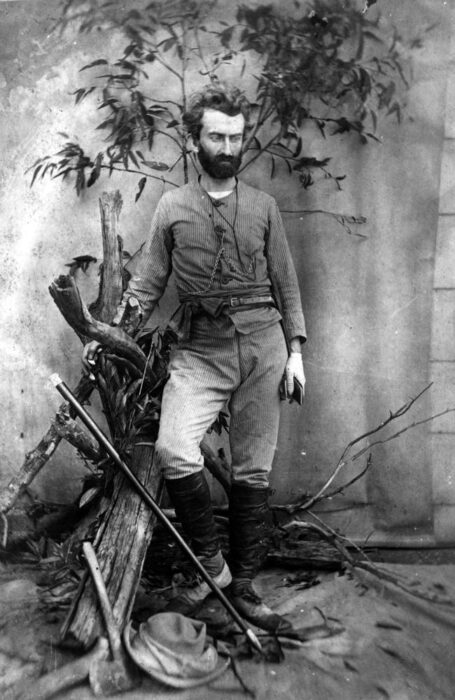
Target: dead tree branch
[(305, 503), (65, 293), (352, 481), (111, 287), (72, 432), (37, 458), (112, 278), (362, 561)]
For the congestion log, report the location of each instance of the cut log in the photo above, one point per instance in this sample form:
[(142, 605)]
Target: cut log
[(125, 536)]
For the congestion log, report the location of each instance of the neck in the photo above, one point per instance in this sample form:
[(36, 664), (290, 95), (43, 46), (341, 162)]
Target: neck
[(211, 184)]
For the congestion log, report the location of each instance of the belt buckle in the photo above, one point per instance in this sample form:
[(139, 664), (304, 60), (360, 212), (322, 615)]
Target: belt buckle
[(234, 301)]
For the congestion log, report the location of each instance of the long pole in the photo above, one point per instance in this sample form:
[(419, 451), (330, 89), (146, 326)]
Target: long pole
[(148, 498)]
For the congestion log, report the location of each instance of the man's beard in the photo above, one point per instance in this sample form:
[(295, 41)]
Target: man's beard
[(219, 167)]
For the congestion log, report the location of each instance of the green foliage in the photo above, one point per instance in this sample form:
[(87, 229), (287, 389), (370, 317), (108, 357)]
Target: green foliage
[(325, 62)]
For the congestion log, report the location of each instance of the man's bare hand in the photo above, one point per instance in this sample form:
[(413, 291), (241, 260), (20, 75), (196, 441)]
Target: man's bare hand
[(294, 370), (90, 354), (93, 348)]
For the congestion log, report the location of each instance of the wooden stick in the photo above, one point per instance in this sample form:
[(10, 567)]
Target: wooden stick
[(113, 633)]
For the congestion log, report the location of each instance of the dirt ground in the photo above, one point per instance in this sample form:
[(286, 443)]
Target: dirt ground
[(393, 645)]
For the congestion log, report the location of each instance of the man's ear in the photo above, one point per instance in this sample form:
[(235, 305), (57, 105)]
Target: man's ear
[(194, 144)]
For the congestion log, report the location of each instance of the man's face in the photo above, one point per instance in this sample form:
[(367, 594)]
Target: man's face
[(220, 143)]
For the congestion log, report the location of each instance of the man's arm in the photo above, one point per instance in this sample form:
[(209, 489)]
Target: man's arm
[(287, 293), (284, 278), (295, 345)]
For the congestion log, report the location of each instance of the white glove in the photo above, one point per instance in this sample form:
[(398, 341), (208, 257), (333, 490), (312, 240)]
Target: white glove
[(294, 368)]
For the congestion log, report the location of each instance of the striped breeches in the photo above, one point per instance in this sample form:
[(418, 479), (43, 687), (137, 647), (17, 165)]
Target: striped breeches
[(219, 368)]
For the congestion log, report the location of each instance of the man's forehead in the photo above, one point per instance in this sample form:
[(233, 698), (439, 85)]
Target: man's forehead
[(221, 123)]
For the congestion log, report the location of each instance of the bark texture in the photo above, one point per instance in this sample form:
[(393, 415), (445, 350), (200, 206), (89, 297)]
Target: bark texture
[(121, 545)]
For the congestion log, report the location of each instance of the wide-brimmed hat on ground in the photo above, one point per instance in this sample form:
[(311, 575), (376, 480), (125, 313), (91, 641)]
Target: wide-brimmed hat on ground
[(173, 649)]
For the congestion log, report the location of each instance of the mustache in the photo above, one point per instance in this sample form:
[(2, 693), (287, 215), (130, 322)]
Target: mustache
[(224, 158)]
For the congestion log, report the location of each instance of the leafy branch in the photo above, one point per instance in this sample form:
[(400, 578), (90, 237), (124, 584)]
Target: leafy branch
[(345, 220), (327, 64), (72, 158)]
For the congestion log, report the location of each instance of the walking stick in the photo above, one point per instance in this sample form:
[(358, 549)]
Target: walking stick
[(148, 498)]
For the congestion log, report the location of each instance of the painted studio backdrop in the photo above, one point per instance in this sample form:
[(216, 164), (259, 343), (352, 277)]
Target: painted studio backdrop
[(378, 298)]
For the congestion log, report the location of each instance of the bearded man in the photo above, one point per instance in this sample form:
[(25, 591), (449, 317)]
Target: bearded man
[(240, 327)]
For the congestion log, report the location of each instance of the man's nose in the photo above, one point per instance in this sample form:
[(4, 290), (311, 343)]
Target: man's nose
[(227, 146)]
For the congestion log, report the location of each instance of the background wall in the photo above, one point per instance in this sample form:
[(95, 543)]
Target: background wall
[(442, 354), (368, 300)]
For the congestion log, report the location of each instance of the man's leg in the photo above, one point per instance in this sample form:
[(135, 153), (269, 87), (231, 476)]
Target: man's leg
[(201, 380), (191, 499), (255, 409)]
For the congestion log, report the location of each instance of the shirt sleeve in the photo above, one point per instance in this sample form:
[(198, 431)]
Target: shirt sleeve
[(283, 276), (150, 268)]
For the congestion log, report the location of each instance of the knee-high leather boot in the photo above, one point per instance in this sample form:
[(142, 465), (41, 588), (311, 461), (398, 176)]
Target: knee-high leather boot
[(250, 527), (190, 496)]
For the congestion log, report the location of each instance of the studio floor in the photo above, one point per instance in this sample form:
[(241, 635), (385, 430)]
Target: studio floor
[(393, 644)]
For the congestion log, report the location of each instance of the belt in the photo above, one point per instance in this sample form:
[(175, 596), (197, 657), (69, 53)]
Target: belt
[(263, 300), (214, 307)]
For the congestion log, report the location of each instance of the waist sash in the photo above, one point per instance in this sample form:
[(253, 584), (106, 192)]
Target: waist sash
[(215, 305)]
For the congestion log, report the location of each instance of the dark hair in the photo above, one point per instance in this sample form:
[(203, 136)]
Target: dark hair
[(229, 100)]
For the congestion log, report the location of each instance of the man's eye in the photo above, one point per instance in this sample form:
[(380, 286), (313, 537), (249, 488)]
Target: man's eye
[(218, 138)]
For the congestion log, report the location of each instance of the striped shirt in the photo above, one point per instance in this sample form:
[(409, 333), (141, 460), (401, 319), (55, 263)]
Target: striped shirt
[(235, 245)]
